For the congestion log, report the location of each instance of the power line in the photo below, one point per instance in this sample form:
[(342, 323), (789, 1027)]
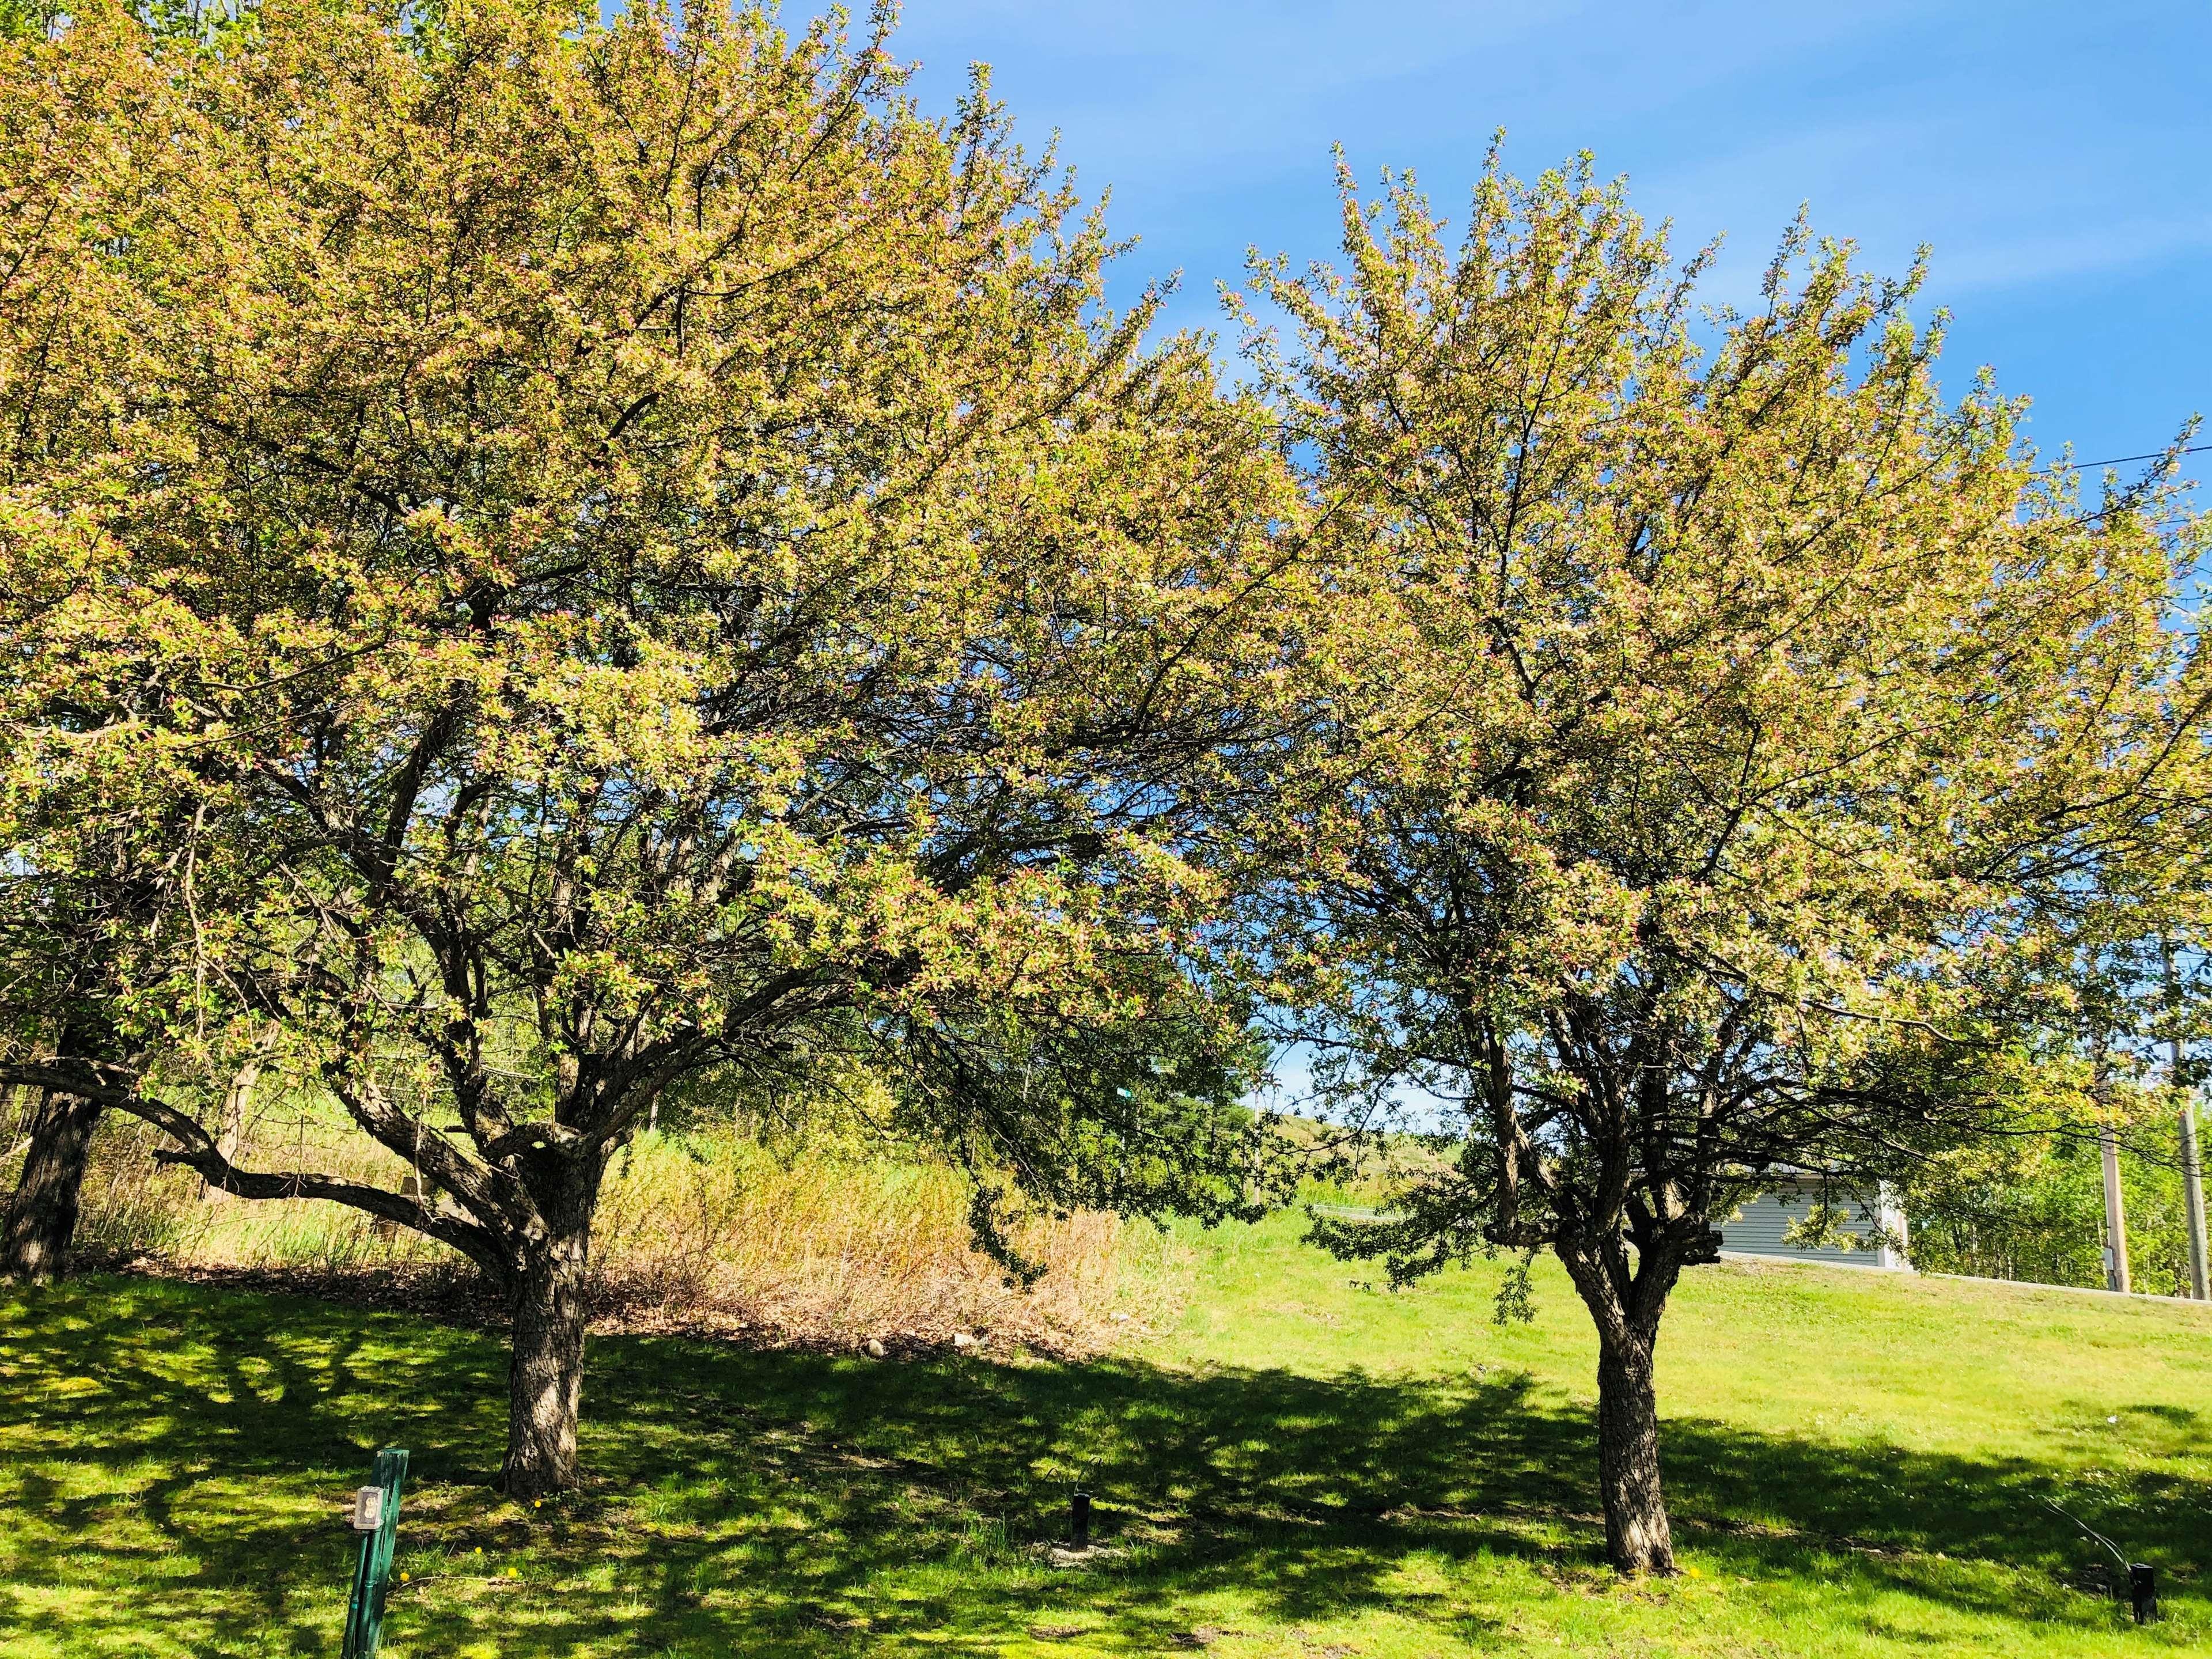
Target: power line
[(2116, 460)]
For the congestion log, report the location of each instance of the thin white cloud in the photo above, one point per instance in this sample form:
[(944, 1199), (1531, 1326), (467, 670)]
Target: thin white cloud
[(2073, 252)]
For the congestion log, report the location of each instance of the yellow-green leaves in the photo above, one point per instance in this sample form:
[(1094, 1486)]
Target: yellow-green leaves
[(677, 564), (1712, 707)]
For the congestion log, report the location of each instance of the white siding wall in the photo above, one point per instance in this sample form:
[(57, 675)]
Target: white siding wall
[(1763, 1223)]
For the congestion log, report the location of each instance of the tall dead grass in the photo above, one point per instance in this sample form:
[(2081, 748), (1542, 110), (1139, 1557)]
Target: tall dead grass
[(824, 1243)]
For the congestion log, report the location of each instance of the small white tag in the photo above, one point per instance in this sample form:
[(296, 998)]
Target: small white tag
[(368, 1508)]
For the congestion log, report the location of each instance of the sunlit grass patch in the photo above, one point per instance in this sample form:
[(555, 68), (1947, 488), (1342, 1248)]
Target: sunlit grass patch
[(1855, 1462)]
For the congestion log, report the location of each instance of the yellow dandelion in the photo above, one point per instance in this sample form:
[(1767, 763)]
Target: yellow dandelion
[(403, 1577)]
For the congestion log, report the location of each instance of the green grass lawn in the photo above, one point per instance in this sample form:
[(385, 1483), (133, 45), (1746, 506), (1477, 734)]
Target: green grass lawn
[(1304, 1466)]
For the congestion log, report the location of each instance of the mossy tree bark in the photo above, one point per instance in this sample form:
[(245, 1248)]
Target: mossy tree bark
[(42, 1216), (1626, 1297), (1637, 1538), (547, 1301), (545, 1375)]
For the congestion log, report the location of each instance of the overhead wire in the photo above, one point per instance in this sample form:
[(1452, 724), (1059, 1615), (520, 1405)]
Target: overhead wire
[(2116, 460)]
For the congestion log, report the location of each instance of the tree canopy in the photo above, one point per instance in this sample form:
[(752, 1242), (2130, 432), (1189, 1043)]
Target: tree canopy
[(1727, 736), (678, 570)]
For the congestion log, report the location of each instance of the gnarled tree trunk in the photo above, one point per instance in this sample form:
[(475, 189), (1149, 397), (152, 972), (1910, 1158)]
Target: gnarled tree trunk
[(42, 1215), (1637, 1536), (546, 1370), (1626, 1296)]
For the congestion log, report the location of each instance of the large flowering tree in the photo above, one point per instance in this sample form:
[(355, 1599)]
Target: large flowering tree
[(704, 586), (1729, 743)]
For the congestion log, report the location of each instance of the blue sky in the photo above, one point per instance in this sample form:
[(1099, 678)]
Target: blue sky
[(2053, 154)]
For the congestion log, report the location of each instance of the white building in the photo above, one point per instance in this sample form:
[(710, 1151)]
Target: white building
[(1761, 1228)]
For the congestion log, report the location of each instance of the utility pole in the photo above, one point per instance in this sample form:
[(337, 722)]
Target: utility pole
[(2192, 1170), (2116, 1209), (2115, 1216), (2192, 1203)]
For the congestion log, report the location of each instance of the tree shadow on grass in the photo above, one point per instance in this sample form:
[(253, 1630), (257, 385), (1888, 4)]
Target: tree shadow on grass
[(176, 1459)]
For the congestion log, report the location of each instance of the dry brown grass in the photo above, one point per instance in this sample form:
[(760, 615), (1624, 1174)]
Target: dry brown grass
[(822, 1245), (831, 1245)]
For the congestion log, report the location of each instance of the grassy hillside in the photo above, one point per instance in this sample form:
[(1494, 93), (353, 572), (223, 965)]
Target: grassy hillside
[(1300, 1466)]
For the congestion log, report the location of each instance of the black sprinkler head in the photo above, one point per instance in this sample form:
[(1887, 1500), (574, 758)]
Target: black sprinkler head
[(2143, 1590), (1078, 1517)]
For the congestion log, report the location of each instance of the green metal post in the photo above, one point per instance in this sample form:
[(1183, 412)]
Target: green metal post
[(364, 1626)]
